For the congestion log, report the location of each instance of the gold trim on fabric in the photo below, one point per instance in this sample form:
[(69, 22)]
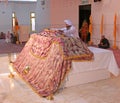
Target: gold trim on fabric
[(31, 86), (67, 60), (73, 57), (60, 48)]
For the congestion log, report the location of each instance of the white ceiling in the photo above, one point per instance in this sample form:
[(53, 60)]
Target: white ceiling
[(24, 0)]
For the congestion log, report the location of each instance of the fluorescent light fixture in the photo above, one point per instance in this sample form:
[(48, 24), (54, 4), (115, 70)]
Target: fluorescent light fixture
[(24, 0)]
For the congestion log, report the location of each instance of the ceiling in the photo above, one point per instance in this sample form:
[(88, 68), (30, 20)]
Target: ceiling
[(24, 0)]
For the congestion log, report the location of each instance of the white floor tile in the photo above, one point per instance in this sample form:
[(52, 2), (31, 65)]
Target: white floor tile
[(17, 91)]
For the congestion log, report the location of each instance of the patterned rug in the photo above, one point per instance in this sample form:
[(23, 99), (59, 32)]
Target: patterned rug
[(10, 47)]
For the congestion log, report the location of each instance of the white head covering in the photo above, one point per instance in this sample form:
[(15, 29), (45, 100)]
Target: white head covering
[(68, 22)]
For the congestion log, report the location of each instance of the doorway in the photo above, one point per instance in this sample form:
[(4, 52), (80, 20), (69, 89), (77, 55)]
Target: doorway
[(84, 14)]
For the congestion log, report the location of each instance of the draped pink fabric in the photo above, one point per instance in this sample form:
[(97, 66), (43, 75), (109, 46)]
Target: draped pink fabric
[(46, 58)]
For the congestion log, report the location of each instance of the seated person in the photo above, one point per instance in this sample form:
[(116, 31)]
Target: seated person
[(8, 37), (2, 35), (104, 43), (13, 38)]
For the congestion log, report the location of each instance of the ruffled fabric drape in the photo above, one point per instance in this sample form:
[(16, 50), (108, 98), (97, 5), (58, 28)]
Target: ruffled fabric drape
[(46, 59)]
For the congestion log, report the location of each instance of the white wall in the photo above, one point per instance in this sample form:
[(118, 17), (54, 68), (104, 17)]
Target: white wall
[(42, 15), (108, 8), (5, 17), (22, 11), (53, 13), (63, 9)]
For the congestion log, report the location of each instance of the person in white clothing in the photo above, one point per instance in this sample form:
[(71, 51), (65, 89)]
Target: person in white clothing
[(69, 30), (7, 38)]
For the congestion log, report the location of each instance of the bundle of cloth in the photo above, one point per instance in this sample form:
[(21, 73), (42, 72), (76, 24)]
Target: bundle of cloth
[(46, 59)]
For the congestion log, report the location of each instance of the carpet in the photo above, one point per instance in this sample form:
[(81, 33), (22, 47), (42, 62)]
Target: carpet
[(10, 47)]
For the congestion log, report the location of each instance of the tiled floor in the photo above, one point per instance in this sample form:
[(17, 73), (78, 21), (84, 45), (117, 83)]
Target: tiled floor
[(16, 91)]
